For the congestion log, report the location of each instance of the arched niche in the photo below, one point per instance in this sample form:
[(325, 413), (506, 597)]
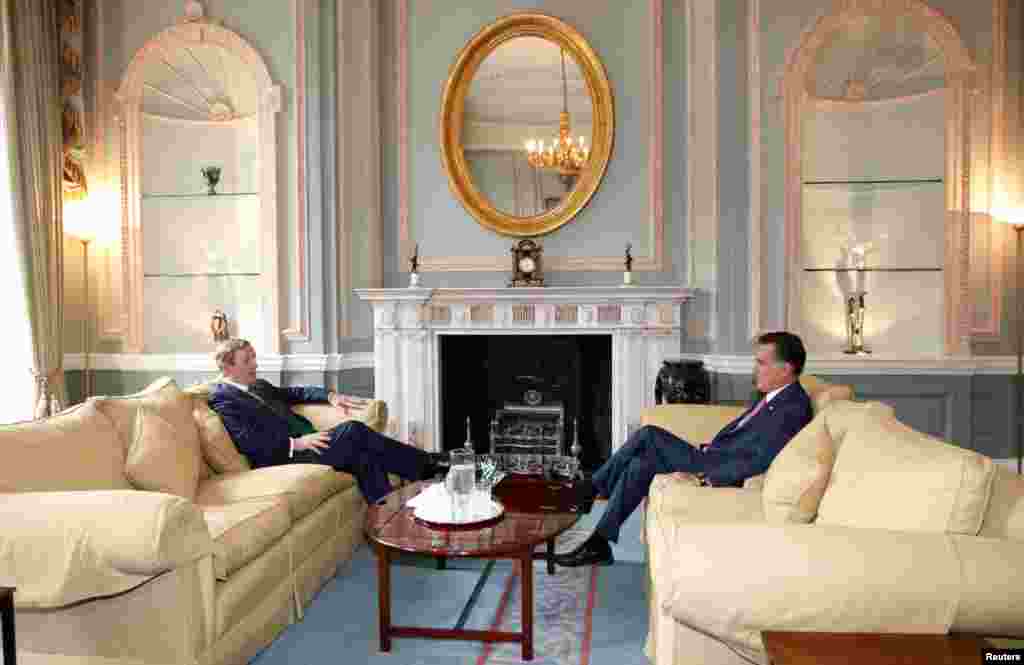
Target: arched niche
[(213, 81), (912, 23)]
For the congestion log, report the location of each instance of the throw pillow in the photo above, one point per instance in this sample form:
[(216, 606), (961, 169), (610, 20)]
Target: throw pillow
[(798, 476), (889, 476), (218, 449), (159, 459)]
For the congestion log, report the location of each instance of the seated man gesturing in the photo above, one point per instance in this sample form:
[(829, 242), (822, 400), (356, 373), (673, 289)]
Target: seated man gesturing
[(258, 417), (744, 448)]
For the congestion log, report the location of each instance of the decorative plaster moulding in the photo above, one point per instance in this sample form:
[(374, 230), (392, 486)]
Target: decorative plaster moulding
[(203, 362), (643, 322), (655, 223), (877, 365)]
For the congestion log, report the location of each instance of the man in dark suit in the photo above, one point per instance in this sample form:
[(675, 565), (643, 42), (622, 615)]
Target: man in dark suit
[(743, 449), (259, 418)]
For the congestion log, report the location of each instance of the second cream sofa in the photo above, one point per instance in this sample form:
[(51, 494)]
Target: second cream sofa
[(133, 529), (861, 524)]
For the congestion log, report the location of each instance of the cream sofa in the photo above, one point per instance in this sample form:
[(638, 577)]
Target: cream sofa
[(133, 529), (861, 524)]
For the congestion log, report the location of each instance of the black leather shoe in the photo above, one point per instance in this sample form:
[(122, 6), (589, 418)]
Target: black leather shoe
[(594, 552)]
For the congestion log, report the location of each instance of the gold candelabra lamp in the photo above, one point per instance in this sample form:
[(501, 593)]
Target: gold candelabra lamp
[(562, 154)]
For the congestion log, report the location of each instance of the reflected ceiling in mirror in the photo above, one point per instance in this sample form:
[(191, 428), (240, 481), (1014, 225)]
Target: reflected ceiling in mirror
[(526, 80), (516, 99), (199, 82), (877, 57)]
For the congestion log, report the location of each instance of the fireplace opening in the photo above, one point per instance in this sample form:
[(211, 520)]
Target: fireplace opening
[(565, 378)]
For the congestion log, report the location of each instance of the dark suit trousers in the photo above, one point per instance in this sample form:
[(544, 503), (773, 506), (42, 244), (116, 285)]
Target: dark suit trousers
[(369, 456), (626, 477)]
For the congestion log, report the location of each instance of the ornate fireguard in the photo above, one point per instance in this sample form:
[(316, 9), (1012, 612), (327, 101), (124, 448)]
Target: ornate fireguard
[(530, 439)]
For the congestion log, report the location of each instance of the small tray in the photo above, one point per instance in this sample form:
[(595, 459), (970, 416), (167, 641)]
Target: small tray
[(439, 519)]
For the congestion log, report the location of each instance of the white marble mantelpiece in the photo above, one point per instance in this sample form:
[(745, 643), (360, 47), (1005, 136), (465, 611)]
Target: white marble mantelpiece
[(643, 322)]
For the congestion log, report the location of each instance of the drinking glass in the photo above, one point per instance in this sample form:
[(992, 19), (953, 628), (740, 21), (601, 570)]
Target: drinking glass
[(461, 480)]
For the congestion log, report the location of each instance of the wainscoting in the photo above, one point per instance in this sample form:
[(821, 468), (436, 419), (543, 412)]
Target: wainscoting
[(965, 402)]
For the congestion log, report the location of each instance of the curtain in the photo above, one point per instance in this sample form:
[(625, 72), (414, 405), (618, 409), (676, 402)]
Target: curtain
[(31, 59)]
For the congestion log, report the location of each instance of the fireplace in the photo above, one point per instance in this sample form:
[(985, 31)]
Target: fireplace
[(560, 381), (416, 329)]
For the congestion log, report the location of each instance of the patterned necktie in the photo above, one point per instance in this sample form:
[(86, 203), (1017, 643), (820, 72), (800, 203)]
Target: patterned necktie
[(757, 409)]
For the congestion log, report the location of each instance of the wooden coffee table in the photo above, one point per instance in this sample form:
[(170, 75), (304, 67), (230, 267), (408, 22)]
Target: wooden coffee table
[(391, 528), (804, 648)]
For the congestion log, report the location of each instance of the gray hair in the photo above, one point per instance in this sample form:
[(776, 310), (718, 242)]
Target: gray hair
[(225, 354)]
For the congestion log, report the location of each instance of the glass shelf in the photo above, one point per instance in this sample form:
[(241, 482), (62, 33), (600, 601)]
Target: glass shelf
[(873, 269), (202, 195), (893, 181), (201, 274)]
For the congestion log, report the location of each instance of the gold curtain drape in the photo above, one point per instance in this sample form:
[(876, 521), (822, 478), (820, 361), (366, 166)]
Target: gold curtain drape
[(31, 56)]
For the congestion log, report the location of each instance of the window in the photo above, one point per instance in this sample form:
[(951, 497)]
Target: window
[(17, 402)]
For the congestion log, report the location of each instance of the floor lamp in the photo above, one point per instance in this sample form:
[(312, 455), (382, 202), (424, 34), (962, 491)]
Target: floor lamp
[(87, 324), (1018, 382), (78, 223), (1017, 222)]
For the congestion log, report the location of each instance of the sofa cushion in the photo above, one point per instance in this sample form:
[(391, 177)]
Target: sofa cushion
[(160, 458), (304, 486), (219, 450), (78, 449), (889, 476), (243, 530)]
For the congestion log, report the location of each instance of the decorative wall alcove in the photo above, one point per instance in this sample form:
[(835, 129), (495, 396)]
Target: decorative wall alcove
[(883, 66), (197, 95)]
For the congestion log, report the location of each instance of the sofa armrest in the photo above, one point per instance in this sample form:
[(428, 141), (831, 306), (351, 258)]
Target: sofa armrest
[(58, 548), (680, 497), (733, 581), (374, 414), (694, 423)]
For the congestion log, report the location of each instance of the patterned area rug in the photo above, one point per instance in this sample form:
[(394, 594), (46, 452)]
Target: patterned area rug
[(563, 611)]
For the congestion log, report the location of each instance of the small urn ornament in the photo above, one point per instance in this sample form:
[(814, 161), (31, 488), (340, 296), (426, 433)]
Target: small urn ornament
[(414, 268), (211, 174)]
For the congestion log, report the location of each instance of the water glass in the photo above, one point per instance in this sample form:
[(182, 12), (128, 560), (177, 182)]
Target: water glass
[(462, 473)]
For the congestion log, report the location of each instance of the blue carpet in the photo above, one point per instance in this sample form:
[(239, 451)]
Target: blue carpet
[(341, 623)]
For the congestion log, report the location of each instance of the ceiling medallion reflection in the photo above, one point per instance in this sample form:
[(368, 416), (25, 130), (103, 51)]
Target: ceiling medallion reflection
[(563, 155)]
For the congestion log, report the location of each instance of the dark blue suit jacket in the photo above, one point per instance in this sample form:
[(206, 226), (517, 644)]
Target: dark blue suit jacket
[(259, 432), (737, 454)]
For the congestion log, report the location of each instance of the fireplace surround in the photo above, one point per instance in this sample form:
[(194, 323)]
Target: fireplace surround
[(644, 324)]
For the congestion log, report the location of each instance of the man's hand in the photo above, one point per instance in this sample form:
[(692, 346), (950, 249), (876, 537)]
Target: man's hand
[(346, 403), (316, 442)]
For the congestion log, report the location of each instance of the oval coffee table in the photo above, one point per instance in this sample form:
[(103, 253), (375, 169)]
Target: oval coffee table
[(391, 527)]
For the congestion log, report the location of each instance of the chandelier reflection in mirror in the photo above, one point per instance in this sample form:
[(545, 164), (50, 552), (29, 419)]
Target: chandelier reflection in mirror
[(563, 154)]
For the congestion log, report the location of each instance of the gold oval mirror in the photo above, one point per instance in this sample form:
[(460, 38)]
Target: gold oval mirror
[(527, 124)]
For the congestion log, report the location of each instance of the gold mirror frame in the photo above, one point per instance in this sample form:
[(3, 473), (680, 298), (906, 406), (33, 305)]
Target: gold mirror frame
[(452, 110)]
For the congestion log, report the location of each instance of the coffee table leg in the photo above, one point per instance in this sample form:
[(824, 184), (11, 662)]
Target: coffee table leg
[(551, 556), (384, 597), (526, 579), (7, 625)]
